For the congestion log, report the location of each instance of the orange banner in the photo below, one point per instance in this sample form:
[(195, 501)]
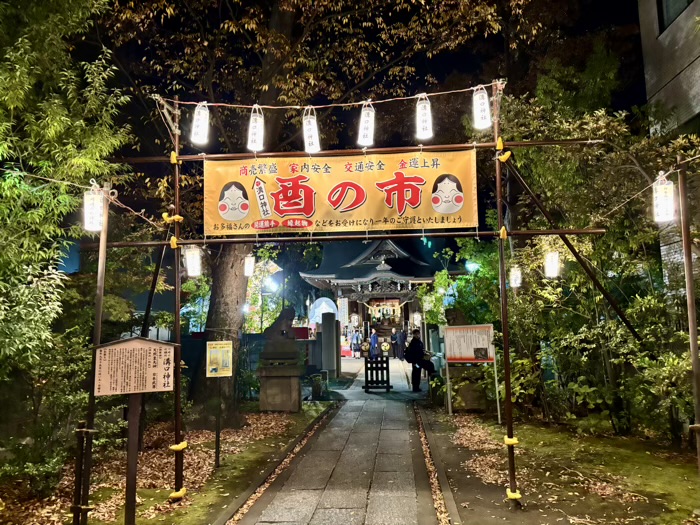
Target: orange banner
[(416, 191)]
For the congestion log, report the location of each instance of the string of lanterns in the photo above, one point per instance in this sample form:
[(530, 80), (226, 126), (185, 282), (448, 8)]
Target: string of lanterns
[(481, 119)]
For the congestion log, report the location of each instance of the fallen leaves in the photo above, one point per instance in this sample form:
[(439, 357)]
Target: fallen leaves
[(438, 498), (156, 470)]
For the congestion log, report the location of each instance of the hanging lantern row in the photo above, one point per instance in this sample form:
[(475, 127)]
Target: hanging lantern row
[(551, 270), (481, 106), (193, 260), (664, 202), (93, 209)]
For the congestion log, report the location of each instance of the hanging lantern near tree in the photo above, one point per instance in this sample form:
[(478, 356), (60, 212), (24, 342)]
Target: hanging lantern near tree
[(256, 129), (249, 265), (200, 124), (312, 143), (551, 265), (664, 202), (193, 260), (365, 136), (424, 118), (481, 106), (93, 204), (516, 277)]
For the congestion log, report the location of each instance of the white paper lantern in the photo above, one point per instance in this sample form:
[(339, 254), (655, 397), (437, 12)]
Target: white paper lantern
[(365, 136), (93, 203), (193, 260), (482, 108), (200, 124), (551, 265), (424, 118), (516, 277), (312, 144), (256, 129), (664, 205), (249, 265)]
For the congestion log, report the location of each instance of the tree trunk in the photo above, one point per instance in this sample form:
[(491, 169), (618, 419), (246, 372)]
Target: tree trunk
[(224, 321)]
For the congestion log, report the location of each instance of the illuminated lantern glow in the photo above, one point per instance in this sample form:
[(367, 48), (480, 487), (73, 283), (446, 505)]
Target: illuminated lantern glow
[(365, 136), (664, 203), (424, 118), (256, 129), (551, 265), (312, 144), (249, 265), (482, 109), (200, 124), (516, 277), (93, 203), (193, 260), (246, 308)]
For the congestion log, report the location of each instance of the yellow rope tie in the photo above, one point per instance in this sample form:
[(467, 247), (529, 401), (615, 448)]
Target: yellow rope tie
[(175, 496), (179, 447), (173, 243), (510, 441), (173, 157), (499, 144), (503, 234), (504, 158), (513, 495), (175, 218)]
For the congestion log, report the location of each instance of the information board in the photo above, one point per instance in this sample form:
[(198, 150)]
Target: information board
[(134, 366), (219, 356), (469, 344)]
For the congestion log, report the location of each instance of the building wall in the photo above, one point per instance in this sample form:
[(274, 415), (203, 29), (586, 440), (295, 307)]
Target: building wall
[(672, 60)]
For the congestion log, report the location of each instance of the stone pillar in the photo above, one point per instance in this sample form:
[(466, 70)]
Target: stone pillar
[(329, 343)]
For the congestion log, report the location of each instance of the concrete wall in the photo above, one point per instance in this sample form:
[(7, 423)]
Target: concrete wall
[(672, 60)]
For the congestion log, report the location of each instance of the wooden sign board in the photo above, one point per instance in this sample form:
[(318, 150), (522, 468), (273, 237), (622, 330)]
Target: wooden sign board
[(469, 344), (134, 366), (219, 357)]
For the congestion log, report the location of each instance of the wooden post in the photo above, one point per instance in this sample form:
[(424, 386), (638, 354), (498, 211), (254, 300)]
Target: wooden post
[(132, 457), (177, 383)]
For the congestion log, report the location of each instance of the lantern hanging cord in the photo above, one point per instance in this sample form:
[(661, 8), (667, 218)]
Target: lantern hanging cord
[(48, 179), (662, 175), (142, 214), (339, 104)]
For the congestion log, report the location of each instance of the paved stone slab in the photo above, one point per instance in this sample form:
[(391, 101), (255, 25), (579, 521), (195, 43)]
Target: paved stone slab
[(393, 484), (292, 506), (332, 439), (363, 439), (397, 510), (387, 446), (338, 517), (314, 470), (394, 424), (394, 435), (344, 498), (394, 463)]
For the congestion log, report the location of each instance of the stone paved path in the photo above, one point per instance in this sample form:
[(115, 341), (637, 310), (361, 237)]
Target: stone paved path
[(364, 467)]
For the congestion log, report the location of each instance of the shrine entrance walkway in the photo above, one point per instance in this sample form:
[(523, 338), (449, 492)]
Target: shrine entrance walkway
[(365, 466)]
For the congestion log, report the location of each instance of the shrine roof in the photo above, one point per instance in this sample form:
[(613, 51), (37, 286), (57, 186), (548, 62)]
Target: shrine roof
[(358, 261)]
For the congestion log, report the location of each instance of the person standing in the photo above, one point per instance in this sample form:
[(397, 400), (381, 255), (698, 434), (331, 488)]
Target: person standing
[(355, 344), (415, 354), (400, 344), (394, 343), (374, 345)]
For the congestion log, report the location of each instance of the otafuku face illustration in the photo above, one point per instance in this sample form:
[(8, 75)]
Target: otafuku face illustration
[(233, 202), (447, 194)]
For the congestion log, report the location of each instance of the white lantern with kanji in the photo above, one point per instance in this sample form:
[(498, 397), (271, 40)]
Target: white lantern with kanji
[(249, 265), (200, 124), (93, 206), (312, 143), (481, 107), (424, 118), (365, 136), (256, 129), (664, 205)]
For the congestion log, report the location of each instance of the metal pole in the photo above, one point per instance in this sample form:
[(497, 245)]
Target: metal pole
[(497, 90), (80, 436), (217, 456), (495, 380), (132, 457), (371, 151), (96, 338), (352, 237), (584, 264), (262, 298), (177, 386), (690, 297)]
